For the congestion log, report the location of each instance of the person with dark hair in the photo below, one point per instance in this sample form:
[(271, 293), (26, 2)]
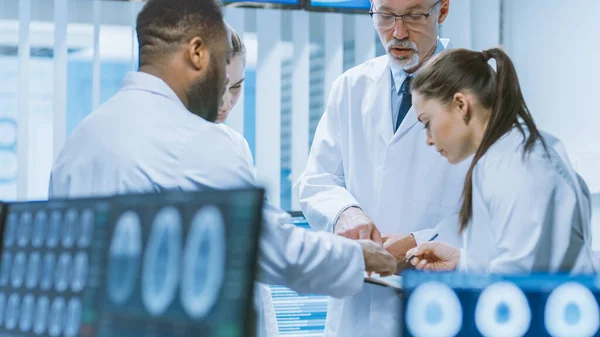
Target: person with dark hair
[(235, 72), (157, 133), (267, 318), (524, 209), (233, 91)]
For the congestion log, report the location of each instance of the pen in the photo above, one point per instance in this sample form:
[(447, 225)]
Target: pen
[(432, 238)]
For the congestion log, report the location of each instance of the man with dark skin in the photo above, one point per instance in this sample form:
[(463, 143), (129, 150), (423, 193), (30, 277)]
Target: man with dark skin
[(157, 133)]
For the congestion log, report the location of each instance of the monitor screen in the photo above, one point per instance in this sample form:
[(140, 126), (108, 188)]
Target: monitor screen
[(177, 264), (349, 6), (454, 304), (291, 4)]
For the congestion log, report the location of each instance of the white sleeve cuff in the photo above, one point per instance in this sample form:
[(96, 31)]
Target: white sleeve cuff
[(335, 220)]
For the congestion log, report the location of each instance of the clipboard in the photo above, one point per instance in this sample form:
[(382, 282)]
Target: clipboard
[(392, 281)]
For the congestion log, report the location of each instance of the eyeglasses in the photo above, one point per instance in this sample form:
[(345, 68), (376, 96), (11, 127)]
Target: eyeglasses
[(388, 20)]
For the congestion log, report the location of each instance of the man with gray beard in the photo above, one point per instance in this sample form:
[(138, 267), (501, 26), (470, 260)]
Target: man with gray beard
[(370, 174)]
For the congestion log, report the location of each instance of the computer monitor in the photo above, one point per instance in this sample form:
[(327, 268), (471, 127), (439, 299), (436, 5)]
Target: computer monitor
[(455, 304), (343, 6), (282, 4), (173, 264)]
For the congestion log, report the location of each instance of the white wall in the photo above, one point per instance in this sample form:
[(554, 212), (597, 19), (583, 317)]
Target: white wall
[(553, 44)]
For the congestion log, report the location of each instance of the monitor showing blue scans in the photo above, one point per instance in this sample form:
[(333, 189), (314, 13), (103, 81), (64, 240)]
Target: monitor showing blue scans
[(182, 263), (444, 304), (173, 264), (351, 6), (51, 256)]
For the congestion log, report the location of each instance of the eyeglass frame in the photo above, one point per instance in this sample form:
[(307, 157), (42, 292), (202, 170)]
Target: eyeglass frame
[(396, 16)]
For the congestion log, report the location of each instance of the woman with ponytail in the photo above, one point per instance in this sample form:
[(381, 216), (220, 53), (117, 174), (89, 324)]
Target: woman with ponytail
[(524, 209)]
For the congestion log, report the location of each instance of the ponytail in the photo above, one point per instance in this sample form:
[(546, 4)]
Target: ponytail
[(460, 69)]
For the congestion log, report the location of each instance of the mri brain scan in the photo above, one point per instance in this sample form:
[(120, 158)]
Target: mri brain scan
[(434, 310), (502, 311), (124, 258), (161, 261), (203, 262), (572, 310)]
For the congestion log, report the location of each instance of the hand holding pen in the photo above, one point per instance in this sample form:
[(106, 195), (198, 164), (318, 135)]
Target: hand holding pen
[(434, 256)]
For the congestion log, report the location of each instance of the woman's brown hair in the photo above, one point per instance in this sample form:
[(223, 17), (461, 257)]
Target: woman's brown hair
[(236, 41), (458, 70)]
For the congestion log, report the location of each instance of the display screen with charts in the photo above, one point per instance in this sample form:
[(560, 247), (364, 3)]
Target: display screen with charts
[(290, 4), (177, 264), (454, 304), (359, 6)]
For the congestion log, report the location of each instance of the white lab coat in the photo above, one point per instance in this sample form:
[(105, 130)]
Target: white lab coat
[(401, 183), (263, 301), (143, 139), (530, 213)]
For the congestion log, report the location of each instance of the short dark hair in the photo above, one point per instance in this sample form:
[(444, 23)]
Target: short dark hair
[(163, 25)]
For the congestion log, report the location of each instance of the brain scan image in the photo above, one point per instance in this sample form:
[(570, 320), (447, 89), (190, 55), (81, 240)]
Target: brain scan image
[(203, 262), (80, 272), (27, 309), (63, 272), (12, 311), (160, 274), (502, 310), (124, 258), (19, 270), (33, 270), (42, 309), (54, 228), (572, 310), (48, 268), (5, 268), (24, 229), (86, 231), (433, 309), (40, 224), (56, 317), (70, 229), (2, 307), (73, 319), (10, 230)]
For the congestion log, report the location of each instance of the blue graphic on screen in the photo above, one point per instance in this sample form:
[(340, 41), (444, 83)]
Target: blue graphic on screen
[(497, 306), (342, 4), (279, 2)]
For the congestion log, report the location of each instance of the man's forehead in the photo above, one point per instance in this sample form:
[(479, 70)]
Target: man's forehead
[(403, 4)]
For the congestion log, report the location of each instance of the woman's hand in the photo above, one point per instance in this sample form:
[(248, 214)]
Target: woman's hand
[(434, 256)]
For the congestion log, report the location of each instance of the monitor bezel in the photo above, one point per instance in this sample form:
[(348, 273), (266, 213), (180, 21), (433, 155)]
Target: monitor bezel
[(257, 4), (344, 10)]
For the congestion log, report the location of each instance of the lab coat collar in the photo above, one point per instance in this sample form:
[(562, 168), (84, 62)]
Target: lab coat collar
[(378, 98), (399, 75), (137, 80)]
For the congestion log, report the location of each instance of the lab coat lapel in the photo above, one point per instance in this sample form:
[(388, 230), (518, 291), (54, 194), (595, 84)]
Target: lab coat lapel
[(409, 121), (378, 100)]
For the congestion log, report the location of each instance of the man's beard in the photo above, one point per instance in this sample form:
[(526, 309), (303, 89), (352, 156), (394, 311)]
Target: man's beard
[(406, 63), (204, 95)]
